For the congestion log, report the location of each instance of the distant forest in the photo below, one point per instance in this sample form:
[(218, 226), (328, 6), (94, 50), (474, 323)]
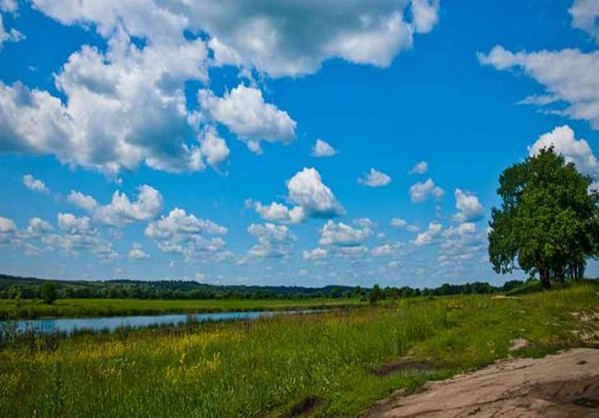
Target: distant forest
[(31, 288)]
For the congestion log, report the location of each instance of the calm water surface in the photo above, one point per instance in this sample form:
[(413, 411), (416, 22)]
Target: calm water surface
[(69, 325)]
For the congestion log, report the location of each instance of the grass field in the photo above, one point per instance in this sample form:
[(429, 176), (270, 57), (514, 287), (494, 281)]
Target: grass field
[(284, 365), (29, 309)]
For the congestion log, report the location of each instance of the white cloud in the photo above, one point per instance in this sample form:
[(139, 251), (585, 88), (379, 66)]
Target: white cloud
[(34, 184), (78, 234), (468, 206), (427, 237), (121, 109), (375, 178), (8, 6), (425, 14), (574, 150), (8, 35), (37, 227), (568, 76), (137, 252), (382, 250), (274, 241), (7, 229), (323, 149), (277, 212), (307, 190), (363, 222), (461, 243), (180, 233), (275, 38), (342, 235), (420, 168), (313, 199), (146, 206), (118, 109), (75, 225), (246, 114), (421, 191), (292, 40), (83, 201), (213, 147), (585, 14), (398, 223), (315, 255)]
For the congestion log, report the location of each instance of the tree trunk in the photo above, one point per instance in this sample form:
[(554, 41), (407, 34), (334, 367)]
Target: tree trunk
[(544, 275)]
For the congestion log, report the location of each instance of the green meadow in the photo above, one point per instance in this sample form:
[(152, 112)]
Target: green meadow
[(336, 363)]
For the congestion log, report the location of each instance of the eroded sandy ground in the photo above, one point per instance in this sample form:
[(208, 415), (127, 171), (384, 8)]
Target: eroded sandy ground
[(563, 385)]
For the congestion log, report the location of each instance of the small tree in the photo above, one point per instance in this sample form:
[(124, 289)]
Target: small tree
[(49, 292), (548, 223), (375, 294)]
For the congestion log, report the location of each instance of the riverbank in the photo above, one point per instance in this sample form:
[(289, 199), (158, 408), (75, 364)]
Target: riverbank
[(86, 308)]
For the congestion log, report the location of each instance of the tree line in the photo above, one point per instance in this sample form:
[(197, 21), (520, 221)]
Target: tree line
[(11, 288)]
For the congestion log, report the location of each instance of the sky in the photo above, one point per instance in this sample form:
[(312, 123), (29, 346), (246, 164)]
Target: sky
[(273, 142)]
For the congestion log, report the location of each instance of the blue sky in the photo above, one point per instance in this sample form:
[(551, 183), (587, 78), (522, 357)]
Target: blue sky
[(270, 142)]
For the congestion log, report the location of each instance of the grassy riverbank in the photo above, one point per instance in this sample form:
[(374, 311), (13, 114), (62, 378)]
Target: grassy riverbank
[(335, 364), (71, 308)]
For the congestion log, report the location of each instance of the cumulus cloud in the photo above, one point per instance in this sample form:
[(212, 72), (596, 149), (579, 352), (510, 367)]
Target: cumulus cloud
[(567, 75), (315, 255), (323, 149), (295, 39), (180, 233), (246, 114), (146, 206), (585, 14), (137, 252), (420, 168), (117, 109), (277, 212), (7, 229), (8, 35), (37, 227), (382, 250), (468, 206), (306, 189), (398, 223), (430, 235), (421, 191), (461, 243), (78, 234), (34, 184), (577, 151), (75, 225), (375, 178), (342, 235), (83, 201), (274, 241), (311, 197)]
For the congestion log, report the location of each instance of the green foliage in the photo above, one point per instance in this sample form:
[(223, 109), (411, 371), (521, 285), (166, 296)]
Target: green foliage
[(49, 292), (548, 222), (268, 367), (375, 295)]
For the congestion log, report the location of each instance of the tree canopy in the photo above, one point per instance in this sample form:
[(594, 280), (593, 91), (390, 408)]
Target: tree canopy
[(548, 223)]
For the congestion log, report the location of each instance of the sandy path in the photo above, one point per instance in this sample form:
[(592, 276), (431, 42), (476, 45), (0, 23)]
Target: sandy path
[(562, 385)]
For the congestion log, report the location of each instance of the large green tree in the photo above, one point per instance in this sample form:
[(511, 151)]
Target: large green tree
[(548, 223)]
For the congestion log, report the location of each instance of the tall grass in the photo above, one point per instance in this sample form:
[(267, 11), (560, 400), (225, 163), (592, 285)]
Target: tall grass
[(271, 366)]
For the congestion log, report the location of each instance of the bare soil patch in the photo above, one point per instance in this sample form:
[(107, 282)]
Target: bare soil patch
[(564, 385)]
